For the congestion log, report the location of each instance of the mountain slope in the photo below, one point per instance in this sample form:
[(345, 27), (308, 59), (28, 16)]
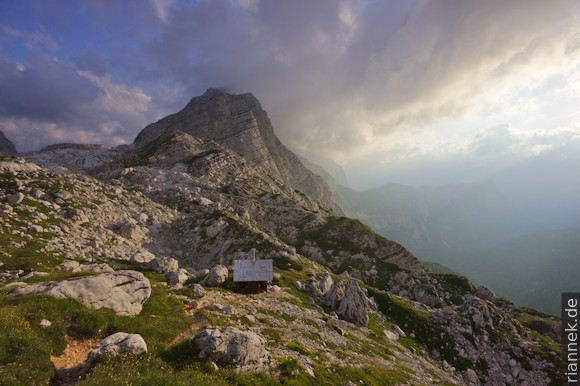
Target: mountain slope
[(422, 328), (474, 229)]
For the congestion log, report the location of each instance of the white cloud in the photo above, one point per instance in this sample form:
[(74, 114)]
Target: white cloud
[(118, 97), (162, 8)]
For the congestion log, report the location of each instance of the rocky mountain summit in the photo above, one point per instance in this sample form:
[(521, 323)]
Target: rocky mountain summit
[(239, 123), (138, 241), (6, 146)]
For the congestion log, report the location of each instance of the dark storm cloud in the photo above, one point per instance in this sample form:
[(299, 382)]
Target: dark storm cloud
[(344, 74), (46, 89)]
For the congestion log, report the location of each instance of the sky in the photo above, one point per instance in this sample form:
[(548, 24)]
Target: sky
[(421, 92)]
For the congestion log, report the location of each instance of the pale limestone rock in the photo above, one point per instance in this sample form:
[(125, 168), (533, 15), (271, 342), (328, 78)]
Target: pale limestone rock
[(45, 323), (354, 305), (122, 291), (164, 264), (485, 293), (176, 279), (142, 257), (198, 291), (242, 350), (325, 284), (35, 229), (75, 266), (390, 335), (239, 123), (216, 276), (117, 344)]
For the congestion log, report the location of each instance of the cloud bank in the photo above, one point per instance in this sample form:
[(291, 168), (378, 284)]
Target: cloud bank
[(344, 78)]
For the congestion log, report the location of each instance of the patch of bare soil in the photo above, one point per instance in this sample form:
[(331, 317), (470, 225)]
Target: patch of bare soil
[(198, 322), (70, 364)]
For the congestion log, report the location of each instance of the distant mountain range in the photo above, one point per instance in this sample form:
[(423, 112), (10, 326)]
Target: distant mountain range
[(448, 217), (531, 270)]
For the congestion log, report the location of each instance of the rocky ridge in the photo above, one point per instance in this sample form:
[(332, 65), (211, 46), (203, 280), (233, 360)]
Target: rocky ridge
[(6, 146)]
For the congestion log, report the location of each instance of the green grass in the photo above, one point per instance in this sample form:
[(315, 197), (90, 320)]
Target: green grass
[(25, 348), (299, 348), (28, 257), (429, 333)]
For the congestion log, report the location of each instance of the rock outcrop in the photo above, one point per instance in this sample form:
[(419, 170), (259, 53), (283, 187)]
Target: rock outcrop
[(347, 298), (242, 350), (6, 146), (122, 291)]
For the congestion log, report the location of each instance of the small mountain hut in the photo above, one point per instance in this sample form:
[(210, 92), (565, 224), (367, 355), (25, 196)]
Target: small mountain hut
[(253, 275)]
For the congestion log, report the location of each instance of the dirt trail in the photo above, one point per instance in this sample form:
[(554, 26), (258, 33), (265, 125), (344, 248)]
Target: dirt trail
[(69, 365)]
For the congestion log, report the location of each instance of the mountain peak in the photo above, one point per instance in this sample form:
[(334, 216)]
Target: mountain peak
[(238, 122)]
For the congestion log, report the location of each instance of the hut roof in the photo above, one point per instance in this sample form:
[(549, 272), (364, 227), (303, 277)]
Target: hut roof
[(248, 270)]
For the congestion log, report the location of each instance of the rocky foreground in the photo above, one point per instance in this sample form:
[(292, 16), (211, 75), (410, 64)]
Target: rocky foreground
[(131, 233)]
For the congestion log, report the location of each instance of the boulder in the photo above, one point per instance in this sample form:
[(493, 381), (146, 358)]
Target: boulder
[(397, 330), (485, 293), (471, 377), (45, 323), (142, 257), (122, 291), (177, 279), (116, 344), (131, 231), (35, 229), (242, 350), (216, 276), (198, 291), (340, 325), (15, 198), (164, 264), (390, 335)]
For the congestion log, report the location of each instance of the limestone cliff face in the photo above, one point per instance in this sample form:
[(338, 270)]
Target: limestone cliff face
[(6, 146), (239, 123)]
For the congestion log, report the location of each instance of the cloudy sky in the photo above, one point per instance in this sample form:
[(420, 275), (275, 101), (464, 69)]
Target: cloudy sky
[(410, 91)]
